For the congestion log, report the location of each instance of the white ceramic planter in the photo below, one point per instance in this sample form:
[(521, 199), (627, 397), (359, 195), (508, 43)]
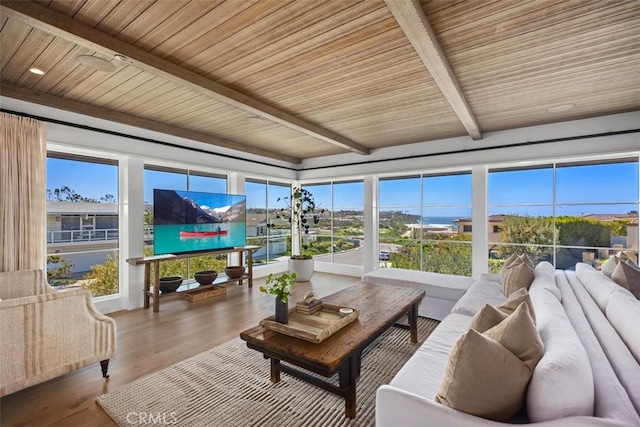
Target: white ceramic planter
[(302, 267)]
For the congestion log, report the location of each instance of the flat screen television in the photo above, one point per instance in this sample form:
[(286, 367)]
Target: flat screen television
[(190, 221)]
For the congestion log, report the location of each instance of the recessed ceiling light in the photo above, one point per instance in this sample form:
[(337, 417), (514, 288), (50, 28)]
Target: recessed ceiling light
[(256, 119), (37, 71), (560, 108), (96, 63), (119, 57)]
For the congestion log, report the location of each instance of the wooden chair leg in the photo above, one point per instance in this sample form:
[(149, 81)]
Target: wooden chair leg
[(104, 364)]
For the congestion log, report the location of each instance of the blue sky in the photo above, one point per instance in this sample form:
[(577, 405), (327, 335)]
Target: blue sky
[(579, 189)]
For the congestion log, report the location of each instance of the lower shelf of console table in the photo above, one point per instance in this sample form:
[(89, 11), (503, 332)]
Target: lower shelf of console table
[(153, 292)]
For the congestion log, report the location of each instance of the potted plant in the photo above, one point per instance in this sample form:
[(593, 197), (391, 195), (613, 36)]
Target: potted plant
[(301, 212), (280, 287)]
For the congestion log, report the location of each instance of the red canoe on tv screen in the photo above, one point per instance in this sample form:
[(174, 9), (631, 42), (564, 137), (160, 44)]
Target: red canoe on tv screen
[(203, 233)]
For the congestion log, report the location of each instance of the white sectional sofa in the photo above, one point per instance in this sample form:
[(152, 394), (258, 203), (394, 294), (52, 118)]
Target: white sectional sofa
[(589, 374)]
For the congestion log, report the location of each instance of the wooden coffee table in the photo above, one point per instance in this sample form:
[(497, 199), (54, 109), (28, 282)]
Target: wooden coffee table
[(381, 306)]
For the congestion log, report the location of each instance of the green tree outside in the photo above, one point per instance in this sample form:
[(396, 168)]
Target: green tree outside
[(532, 235), (59, 275), (440, 254)]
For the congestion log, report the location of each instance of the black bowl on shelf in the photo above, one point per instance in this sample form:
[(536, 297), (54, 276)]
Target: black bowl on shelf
[(170, 284), (205, 277), (234, 271)]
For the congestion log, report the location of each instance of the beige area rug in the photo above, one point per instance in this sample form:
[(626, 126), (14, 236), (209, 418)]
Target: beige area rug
[(229, 386)]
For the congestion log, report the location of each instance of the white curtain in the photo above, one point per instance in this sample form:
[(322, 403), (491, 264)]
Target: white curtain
[(23, 156)]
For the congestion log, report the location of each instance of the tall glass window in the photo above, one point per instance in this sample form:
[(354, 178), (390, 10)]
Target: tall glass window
[(339, 235), (82, 223), (564, 213), (186, 180), (264, 229), (424, 223)]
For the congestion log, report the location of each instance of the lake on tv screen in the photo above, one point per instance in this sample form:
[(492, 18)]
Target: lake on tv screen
[(168, 238)]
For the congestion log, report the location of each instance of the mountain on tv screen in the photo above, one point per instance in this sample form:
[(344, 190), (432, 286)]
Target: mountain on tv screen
[(190, 221)]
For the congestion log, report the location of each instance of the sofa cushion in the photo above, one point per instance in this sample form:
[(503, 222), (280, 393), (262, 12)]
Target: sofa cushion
[(518, 274), (518, 334), (615, 370), (480, 293), (627, 275), (486, 318), (562, 382), (421, 374), (545, 277), (598, 285), (623, 312), (483, 378), (515, 299)]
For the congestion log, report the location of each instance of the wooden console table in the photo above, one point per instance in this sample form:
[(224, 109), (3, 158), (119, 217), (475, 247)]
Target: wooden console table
[(157, 259)]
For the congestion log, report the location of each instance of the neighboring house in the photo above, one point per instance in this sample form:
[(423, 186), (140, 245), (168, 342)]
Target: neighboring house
[(83, 232), (415, 229), (632, 234), (257, 227), (256, 224), (495, 222)]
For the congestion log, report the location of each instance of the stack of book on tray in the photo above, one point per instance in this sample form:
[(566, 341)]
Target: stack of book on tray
[(309, 306)]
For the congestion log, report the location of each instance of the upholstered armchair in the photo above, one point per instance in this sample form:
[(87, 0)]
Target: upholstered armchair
[(45, 333)]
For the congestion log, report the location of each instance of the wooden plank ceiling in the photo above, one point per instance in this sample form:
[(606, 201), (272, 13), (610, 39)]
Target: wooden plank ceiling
[(297, 79)]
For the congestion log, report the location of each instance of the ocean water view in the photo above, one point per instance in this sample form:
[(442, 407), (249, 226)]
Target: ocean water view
[(440, 220), (168, 240)]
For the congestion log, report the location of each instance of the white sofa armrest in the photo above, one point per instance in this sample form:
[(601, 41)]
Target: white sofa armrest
[(491, 277), (399, 408)]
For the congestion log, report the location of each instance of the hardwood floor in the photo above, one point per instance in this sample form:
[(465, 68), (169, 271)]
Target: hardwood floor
[(148, 342)]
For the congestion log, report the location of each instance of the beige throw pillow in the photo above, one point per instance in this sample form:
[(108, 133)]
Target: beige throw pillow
[(483, 378), (514, 300), (525, 258), (627, 275), (631, 255), (507, 263), (487, 374), (518, 334), (518, 274), (487, 317)]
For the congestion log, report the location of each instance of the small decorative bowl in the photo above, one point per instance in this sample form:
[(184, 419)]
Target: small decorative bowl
[(345, 311), (205, 277), (234, 271), (170, 284)]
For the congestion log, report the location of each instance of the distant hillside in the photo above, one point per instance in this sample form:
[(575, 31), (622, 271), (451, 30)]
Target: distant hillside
[(171, 208)]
